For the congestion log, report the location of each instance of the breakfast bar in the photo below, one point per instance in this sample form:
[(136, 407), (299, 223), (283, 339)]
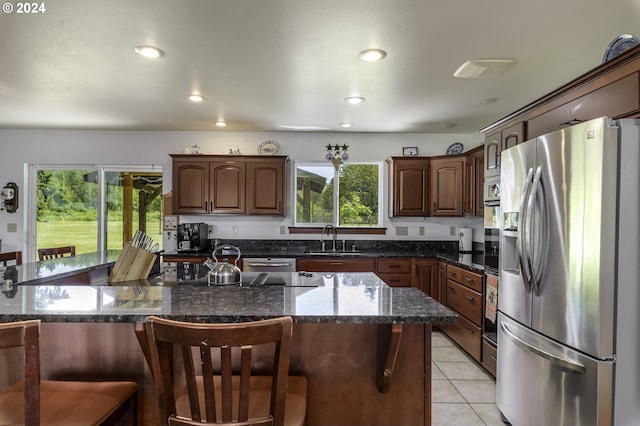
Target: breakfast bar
[(364, 347)]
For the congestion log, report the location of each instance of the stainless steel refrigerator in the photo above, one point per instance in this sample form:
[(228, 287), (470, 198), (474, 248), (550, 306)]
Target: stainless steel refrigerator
[(568, 322)]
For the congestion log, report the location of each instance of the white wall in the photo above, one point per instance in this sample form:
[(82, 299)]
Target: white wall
[(22, 147)]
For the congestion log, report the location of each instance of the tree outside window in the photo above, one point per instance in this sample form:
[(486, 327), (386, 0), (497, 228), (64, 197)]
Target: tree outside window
[(348, 197)]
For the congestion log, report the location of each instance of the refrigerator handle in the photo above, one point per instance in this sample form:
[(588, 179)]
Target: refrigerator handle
[(522, 233), (565, 363), (535, 247)]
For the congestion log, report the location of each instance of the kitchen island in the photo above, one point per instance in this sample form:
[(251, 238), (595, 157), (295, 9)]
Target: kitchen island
[(364, 347)]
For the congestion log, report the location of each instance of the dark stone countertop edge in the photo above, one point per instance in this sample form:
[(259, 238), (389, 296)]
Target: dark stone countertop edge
[(229, 318)]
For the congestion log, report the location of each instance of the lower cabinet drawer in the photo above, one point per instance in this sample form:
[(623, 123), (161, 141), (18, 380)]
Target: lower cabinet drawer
[(489, 357), (396, 280), (467, 335), (465, 301), (394, 266), (336, 265)]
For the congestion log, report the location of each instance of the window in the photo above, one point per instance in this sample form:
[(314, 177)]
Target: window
[(348, 197), (93, 208)]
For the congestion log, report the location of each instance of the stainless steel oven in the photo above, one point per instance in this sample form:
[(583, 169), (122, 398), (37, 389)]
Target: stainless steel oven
[(492, 225)]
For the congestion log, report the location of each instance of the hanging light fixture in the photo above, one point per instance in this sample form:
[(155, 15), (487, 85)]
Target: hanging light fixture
[(337, 154)]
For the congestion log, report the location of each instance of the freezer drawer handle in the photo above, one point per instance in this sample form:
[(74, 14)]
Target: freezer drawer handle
[(578, 368)]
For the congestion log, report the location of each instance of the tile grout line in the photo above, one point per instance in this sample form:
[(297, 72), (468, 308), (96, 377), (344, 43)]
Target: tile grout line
[(466, 402)]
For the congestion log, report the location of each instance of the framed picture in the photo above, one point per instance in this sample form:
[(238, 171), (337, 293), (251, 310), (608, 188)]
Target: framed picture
[(410, 151), (170, 223)]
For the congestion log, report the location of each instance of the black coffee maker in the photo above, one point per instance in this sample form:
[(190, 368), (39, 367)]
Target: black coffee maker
[(193, 237)]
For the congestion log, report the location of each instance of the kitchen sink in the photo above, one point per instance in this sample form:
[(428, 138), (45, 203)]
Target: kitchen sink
[(337, 253)]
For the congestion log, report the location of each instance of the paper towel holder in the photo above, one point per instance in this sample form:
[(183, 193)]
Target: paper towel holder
[(465, 240)]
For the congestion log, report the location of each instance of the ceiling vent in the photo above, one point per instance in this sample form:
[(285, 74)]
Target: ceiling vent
[(484, 68)]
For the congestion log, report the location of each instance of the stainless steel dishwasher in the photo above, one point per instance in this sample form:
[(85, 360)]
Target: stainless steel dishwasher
[(268, 264)]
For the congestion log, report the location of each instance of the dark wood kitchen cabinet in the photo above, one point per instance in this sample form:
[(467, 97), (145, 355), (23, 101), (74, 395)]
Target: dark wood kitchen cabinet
[(395, 272), (336, 264), (496, 142), (610, 89), (614, 100), (266, 186), (465, 296), (408, 186), (210, 184), (447, 186), (424, 276), (474, 183)]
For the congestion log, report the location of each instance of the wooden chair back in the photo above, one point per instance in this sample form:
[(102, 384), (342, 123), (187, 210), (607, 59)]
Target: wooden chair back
[(65, 402), (199, 341), (15, 256), (26, 334), (56, 252)]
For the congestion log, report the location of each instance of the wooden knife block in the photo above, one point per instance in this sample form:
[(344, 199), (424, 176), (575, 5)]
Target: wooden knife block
[(133, 264)]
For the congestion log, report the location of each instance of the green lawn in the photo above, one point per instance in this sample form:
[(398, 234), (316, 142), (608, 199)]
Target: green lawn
[(82, 234)]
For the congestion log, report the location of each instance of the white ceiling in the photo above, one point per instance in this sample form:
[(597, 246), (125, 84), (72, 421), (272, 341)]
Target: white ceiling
[(262, 64)]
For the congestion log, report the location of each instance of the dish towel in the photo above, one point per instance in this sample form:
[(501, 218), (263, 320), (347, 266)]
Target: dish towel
[(491, 298)]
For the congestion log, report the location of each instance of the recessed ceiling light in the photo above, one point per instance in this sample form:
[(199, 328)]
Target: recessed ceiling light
[(149, 51), (346, 125), (372, 55), (489, 101), (221, 123), (296, 127), (484, 68), (354, 100), (195, 98)]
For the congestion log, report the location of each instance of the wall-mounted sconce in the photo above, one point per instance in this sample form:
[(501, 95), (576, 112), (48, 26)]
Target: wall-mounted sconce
[(337, 155), (9, 198), (8, 282)]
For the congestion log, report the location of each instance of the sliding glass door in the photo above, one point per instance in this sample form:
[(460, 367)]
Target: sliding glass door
[(92, 208)]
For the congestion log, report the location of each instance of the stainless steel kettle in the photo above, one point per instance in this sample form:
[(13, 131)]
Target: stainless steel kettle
[(223, 273)]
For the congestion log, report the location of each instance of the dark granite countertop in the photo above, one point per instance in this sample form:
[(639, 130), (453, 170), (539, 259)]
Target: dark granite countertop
[(444, 250), (40, 292)]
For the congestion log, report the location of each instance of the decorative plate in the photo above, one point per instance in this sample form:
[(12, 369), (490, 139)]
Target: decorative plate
[(620, 45), (455, 148), (268, 148), (195, 150)]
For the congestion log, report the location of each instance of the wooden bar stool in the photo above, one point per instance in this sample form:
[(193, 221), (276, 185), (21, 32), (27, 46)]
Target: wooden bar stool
[(9, 256), (56, 252), (226, 391), (34, 402)]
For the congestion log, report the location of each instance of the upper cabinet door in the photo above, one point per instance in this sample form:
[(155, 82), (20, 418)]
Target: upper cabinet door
[(512, 136), (265, 186), (222, 184), (227, 186), (447, 186), (190, 186), (408, 187), (474, 183)]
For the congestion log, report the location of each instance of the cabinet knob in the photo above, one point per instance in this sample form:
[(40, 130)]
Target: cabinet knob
[(469, 297)]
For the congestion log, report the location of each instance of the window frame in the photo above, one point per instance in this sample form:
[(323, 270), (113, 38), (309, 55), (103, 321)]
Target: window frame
[(30, 205), (306, 226)]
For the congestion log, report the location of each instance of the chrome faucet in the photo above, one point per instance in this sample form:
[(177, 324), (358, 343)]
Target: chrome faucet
[(326, 230)]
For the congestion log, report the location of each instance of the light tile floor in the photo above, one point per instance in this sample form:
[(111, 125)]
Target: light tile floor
[(463, 393)]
